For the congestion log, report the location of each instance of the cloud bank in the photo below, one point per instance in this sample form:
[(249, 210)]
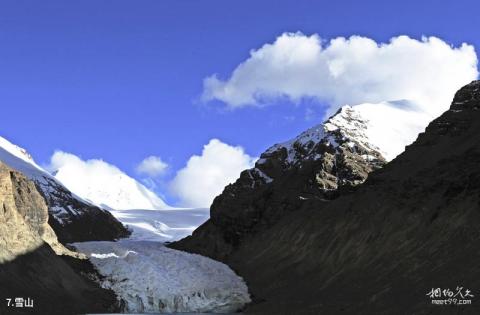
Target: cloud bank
[(348, 71), (205, 175), (152, 166)]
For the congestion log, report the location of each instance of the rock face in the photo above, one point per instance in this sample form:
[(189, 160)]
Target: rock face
[(29, 261), (72, 218), (319, 164), (77, 220), (412, 226), (23, 223)]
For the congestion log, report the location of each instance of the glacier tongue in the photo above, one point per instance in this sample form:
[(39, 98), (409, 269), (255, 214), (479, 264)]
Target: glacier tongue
[(149, 277)]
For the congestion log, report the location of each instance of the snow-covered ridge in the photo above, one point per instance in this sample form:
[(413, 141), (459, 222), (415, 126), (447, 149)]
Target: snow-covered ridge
[(20, 160), (347, 126), (103, 184), (383, 127), (376, 133), (110, 190), (17, 151)]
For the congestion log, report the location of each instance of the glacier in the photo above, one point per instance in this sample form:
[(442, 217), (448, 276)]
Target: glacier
[(161, 225), (149, 277)]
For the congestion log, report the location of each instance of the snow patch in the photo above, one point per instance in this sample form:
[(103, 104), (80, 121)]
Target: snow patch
[(264, 176)]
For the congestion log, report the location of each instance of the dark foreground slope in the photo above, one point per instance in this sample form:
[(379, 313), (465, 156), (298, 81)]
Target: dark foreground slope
[(56, 284), (33, 264), (412, 226)]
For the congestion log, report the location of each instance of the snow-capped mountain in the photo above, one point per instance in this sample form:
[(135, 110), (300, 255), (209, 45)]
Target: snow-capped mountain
[(415, 221), (388, 127), (365, 136), (383, 128), (372, 133), (319, 164), (72, 217), (103, 184)]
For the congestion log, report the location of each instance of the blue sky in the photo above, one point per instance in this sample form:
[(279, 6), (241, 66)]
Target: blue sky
[(122, 80)]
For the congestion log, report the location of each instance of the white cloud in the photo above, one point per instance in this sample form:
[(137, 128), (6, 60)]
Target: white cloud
[(152, 166), (348, 71), (102, 183), (205, 176)]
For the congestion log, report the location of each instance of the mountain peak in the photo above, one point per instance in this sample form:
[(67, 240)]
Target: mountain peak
[(467, 97), (104, 184), (318, 164)]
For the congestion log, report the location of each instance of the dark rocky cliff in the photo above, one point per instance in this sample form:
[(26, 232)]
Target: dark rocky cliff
[(412, 226), (75, 220)]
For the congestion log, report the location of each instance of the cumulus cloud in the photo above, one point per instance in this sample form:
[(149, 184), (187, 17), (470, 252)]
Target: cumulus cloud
[(152, 166), (205, 175), (102, 183), (348, 71)]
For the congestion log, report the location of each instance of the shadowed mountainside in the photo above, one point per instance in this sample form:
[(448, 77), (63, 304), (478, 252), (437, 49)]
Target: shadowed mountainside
[(56, 284), (412, 226)]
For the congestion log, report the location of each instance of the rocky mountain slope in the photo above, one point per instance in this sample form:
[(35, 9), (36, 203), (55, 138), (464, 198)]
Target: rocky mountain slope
[(319, 164), (73, 218), (378, 248), (33, 264), (24, 225)]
